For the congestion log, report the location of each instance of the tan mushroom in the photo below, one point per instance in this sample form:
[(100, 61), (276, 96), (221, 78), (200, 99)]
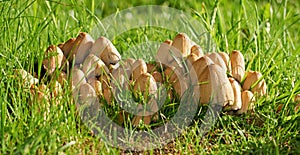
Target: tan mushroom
[(94, 67), (226, 60), (217, 59), (237, 65), (190, 59), (53, 59), (253, 77), (62, 78), (96, 84), (171, 75), (81, 48), (146, 86), (157, 76), (163, 52), (138, 68), (196, 49), (151, 67), (68, 46), (88, 98), (78, 78), (183, 43), (222, 91), (237, 90), (106, 51), (247, 101)]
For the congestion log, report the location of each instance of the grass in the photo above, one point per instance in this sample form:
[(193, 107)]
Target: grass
[(268, 39)]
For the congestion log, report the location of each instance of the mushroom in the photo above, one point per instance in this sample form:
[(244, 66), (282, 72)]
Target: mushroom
[(183, 43), (145, 84), (247, 100), (196, 49), (68, 46), (222, 90), (78, 79), (226, 59), (217, 59), (203, 74), (81, 48), (96, 84), (88, 102), (237, 90), (237, 65), (162, 55), (53, 59), (94, 67), (138, 68), (254, 77), (106, 51), (190, 59)]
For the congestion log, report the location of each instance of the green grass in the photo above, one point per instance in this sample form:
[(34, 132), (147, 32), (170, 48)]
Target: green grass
[(29, 27)]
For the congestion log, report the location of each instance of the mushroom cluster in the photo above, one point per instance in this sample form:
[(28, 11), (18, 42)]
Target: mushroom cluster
[(94, 68)]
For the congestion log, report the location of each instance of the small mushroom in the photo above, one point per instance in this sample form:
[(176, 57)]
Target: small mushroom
[(226, 60), (145, 84), (151, 67), (163, 52), (87, 99), (53, 59), (106, 51), (222, 90), (96, 84), (138, 68), (217, 59), (171, 74), (68, 46), (190, 59), (183, 43), (180, 86), (247, 101), (94, 67), (78, 78), (237, 90), (107, 93), (81, 48), (62, 78), (237, 65), (253, 77), (196, 49), (157, 76)]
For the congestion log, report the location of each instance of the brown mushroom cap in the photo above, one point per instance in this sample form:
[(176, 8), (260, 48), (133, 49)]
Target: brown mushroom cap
[(53, 59), (247, 101), (237, 90), (237, 65), (183, 43), (251, 78), (226, 60), (81, 48), (106, 51), (196, 49), (163, 52), (217, 59), (94, 67), (68, 46), (138, 68)]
